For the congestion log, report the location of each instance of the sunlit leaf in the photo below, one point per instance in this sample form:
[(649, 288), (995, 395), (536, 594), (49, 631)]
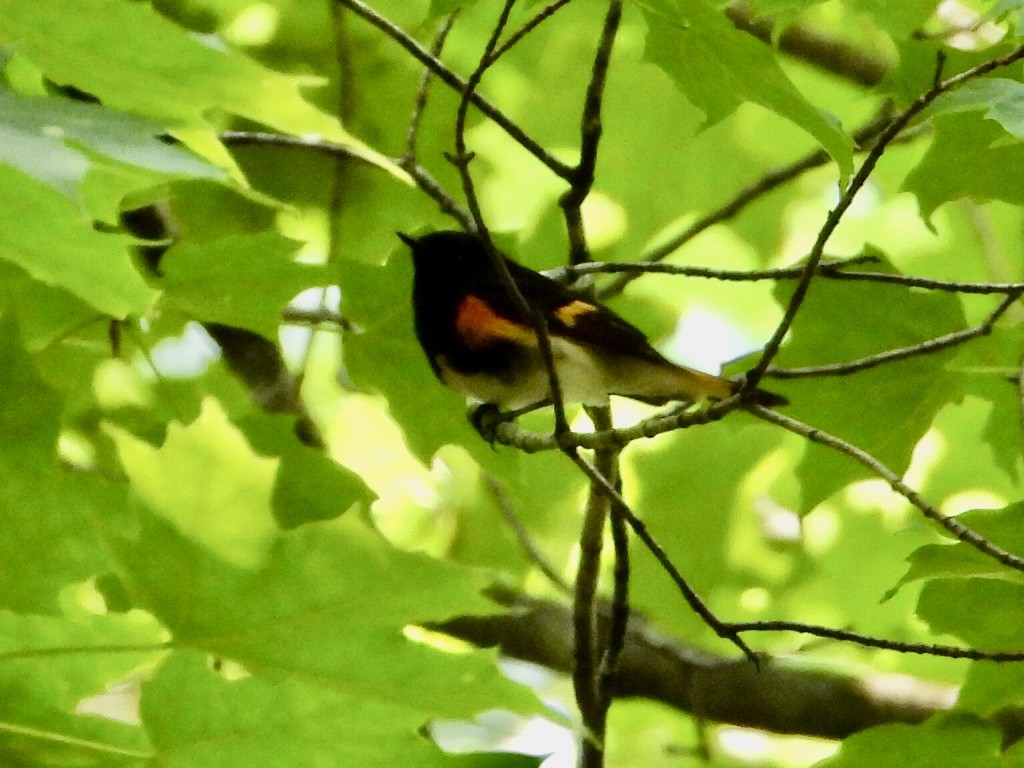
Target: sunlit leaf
[(84, 44), (243, 281), (718, 68), (48, 237), (47, 515)]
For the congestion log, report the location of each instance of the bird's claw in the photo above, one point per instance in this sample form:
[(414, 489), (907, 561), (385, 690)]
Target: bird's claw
[(485, 419)]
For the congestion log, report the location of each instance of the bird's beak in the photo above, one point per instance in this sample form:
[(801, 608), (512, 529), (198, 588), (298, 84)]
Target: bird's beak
[(407, 239)]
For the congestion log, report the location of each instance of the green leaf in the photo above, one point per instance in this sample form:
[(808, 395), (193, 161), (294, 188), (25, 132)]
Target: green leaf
[(901, 19), (206, 465), (285, 723), (694, 513), (277, 602), (967, 158), (987, 614), (132, 58), (1003, 527), (48, 237), (990, 687), (47, 515), (309, 485), (718, 68), (884, 410), (44, 138), (997, 98), (386, 358), (243, 280), (946, 740), (317, 616), (52, 667)]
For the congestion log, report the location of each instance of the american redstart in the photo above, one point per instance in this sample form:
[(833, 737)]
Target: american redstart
[(479, 343)]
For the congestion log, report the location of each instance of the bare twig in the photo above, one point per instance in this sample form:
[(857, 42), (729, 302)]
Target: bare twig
[(618, 620), (319, 316), (432, 187), (508, 433), (586, 678), (420, 105), (913, 281), (891, 131), (408, 162), (869, 641), (721, 628), (462, 159), (903, 353), (455, 82), (951, 524), (540, 17), (638, 268), (526, 542), (770, 181), (606, 646), (582, 178)]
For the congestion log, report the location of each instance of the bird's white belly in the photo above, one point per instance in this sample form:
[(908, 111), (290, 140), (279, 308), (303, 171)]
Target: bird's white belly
[(580, 378)]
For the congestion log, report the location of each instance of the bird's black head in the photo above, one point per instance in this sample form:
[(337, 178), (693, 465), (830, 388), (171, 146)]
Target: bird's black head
[(447, 253)]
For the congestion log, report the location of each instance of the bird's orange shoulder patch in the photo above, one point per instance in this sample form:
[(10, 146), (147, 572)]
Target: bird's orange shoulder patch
[(479, 325), (571, 311)]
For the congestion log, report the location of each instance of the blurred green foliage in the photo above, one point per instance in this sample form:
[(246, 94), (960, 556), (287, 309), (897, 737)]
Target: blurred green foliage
[(162, 531)]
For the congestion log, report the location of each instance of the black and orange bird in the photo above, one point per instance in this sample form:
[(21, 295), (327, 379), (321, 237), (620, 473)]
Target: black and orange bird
[(480, 343)]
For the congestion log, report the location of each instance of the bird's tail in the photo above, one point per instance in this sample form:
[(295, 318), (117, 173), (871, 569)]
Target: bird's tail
[(690, 385)]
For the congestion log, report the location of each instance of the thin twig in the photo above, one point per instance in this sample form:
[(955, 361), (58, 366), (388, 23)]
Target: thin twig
[(927, 649), (888, 134), (721, 628), (951, 524), (462, 159), (586, 677), (527, 441), (319, 316), (445, 202), (582, 178), (833, 269), (408, 162), (770, 181), (449, 78), (902, 353), (526, 542), (540, 17), (913, 281), (563, 274), (609, 646), (618, 619), (420, 105)]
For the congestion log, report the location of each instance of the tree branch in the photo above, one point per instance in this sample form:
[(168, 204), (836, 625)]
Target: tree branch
[(891, 131), (421, 54), (784, 697), (951, 524), (582, 179), (827, 53), (902, 353), (721, 628)]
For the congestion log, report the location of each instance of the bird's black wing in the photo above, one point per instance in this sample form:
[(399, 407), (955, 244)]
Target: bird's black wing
[(580, 319)]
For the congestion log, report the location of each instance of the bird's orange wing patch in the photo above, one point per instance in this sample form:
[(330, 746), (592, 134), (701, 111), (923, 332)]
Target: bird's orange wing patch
[(570, 312), (479, 325)]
